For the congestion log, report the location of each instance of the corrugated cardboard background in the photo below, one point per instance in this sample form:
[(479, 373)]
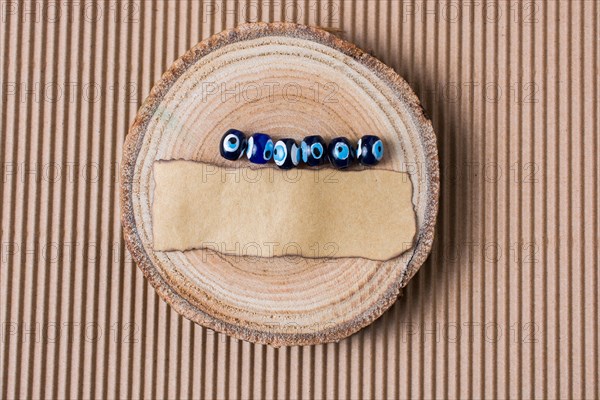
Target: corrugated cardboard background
[(507, 304)]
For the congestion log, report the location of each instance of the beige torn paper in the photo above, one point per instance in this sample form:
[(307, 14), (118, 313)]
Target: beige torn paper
[(270, 212)]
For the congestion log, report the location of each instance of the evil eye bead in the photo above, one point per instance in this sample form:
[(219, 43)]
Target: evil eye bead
[(313, 150), (260, 148), (233, 144), (369, 150), (340, 152), (286, 154)]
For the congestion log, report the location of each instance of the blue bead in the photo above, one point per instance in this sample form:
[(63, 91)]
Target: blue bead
[(340, 152), (233, 144), (286, 153), (313, 150), (369, 150), (260, 148)]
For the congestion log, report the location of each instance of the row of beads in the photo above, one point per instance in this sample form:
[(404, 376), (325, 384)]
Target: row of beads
[(313, 150)]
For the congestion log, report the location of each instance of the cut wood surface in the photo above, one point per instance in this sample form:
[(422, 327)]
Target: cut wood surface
[(286, 80)]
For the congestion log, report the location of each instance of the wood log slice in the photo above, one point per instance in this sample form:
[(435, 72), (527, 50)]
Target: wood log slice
[(286, 80)]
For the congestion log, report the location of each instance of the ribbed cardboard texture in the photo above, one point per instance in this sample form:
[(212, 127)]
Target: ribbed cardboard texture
[(506, 305)]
